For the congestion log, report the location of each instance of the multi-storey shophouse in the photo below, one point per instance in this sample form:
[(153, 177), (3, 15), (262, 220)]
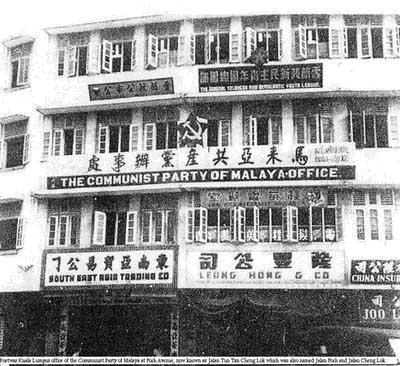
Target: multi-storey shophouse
[(202, 186)]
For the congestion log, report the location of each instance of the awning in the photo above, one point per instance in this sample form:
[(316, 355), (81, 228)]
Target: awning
[(13, 118), (16, 41)]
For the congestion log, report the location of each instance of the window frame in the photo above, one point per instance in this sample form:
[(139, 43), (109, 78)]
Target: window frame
[(319, 134)]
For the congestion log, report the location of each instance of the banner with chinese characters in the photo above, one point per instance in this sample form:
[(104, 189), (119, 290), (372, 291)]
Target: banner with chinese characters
[(129, 89), (259, 268), (240, 78), (215, 164), (96, 268), (264, 197), (375, 271), (379, 307)]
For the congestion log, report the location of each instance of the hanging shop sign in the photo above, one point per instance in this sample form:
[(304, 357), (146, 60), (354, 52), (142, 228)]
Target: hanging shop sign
[(379, 307), (375, 271), (96, 268), (129, 89), (257, 268), (189, 165), (264, 197), (243, 78)]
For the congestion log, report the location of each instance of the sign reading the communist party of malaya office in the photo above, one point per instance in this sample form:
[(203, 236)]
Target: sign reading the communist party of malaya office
[(255, 268), (375, 271), (379, 307), (243, 78), (128, 89), (97, 268), (217, 164)]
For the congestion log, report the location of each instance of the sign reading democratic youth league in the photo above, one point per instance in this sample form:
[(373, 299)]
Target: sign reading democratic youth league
[(71, 269), (242, 78)]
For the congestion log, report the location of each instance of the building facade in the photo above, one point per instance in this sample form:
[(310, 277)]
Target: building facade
[(202, 186)]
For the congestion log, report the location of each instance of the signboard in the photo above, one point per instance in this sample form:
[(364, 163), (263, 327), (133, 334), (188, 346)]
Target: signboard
[(97, 268), (205, 175), (264, 197), (257, 268), (243, 78), (129, 89), (375, 271), (380, 307), (210, 164)]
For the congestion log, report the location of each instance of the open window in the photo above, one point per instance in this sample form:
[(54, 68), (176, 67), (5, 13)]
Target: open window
[(14, 144), (116, 132), (160, 128), (11, 226), (113, 223), (290, 224), (67, 136), (238, 224), (74, 53), (196, 225), (20, 64), (118, 55)]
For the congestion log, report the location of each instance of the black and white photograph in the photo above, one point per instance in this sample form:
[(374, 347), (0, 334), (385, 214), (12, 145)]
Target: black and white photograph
[(205, 182)]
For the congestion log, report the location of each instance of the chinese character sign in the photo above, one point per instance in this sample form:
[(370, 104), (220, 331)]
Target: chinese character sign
[(381, 307), (128, 89), (107, 268), (375, 271), (255, 268), (263, 77)]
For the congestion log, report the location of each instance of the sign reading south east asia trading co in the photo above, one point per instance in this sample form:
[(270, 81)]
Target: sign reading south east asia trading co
[(80, 268), (313, 162), (375, 271), (258, 268), (243, 78)]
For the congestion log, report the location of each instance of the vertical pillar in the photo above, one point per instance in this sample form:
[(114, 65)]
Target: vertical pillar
[(287, 124), (140, 37), (237, 124), (63, 338), (286, 27), (90, 141)]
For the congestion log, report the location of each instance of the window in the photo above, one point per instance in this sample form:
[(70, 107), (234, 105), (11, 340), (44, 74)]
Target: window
[(368, 39), (165, 48), (20, 59), (114, 222), (263, 33), (73, 54), (373, 213), (213, 42), (11, 226), (118, 56), (64, 222), (311, 36), (219, 123), (160, 128), (313, 122), (116, 133), (14, 144), (67, 136), (262, 123), (368, 124), (158, 226)]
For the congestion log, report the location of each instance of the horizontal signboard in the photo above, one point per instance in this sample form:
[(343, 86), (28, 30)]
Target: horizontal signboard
[(264, 197), (375, 271), (129, 89), (243, 78), (205, 175), (96, 268), (248, 268), (379, 307)]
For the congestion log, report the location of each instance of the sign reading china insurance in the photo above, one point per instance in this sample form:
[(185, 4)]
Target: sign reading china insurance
[(77, 268), (312, 162), (375, 271), (256, 268)]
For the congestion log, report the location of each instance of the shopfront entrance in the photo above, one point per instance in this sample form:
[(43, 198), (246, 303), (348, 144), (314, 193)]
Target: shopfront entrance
[(119, 330)]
